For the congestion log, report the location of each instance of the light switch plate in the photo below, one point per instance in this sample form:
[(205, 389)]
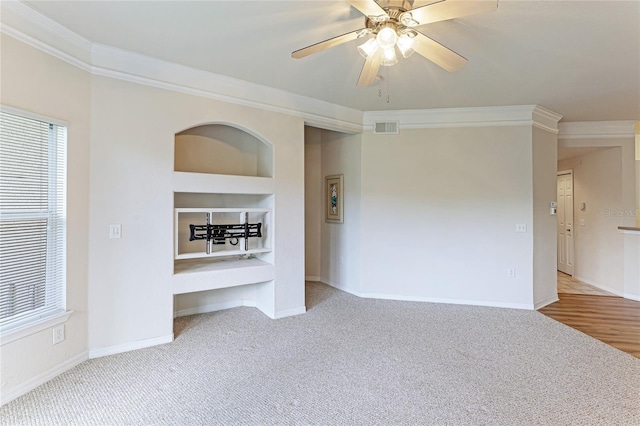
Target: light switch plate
[(521, 227), (115, 231), (582, 222)]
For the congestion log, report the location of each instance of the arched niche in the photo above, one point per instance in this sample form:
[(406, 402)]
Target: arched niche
[(222, 149)]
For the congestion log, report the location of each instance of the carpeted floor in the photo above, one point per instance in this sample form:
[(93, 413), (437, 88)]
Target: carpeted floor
[(350, 361)]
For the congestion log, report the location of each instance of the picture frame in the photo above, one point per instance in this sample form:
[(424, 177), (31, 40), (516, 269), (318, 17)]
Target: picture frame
[(334, 198)]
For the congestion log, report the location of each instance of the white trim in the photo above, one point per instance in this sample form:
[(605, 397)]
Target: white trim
[(597, 130), (44, 47), (522, 115), (131, 346), (214, 307), (32, 115), (290, 312), (34, 327), (631, 296), (310, 108), (546, 302), (34, 382), (494, 304), (599, 286)]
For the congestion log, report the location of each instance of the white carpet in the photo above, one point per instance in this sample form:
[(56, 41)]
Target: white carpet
[(350, 361)]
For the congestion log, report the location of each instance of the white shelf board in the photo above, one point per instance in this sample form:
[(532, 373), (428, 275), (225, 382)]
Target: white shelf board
[(201, 275), (221, 184), (222, 253)]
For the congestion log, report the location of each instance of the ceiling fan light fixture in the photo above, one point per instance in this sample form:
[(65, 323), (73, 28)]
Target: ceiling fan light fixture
[(368, 48), (387, 37), (389, 57)]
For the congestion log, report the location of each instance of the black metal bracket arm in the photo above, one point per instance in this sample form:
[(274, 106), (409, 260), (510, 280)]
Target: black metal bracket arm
[(219, 233)]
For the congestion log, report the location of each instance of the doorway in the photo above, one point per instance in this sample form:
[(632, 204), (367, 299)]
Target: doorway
[(565, 222)]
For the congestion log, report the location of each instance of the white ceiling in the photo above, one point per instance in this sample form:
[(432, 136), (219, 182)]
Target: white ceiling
[(580, 59)]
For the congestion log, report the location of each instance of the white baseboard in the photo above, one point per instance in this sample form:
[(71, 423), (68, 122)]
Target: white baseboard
[(312, 278), (546, 302), (600, 286), (384, 296), (290, 312), (131, 346), (632, 296), (214, 307), (488, 303), (41, 379)]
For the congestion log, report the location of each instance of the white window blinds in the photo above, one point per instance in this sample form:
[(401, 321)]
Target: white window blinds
[(32, 220)]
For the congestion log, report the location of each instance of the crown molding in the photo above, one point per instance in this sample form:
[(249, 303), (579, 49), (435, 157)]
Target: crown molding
[(523, 115), (597, 130), (129, 66)]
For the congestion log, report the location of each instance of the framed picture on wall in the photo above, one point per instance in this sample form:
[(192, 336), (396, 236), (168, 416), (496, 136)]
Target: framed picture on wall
[(334, 209)]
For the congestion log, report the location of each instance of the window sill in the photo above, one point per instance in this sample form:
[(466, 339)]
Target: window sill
[(33, 328)]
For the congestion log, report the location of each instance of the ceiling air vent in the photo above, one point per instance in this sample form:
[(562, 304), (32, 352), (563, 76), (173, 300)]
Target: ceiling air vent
[(385, 128)]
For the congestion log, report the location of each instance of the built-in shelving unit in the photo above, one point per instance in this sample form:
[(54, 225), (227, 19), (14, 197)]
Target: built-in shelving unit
[(224, 174)]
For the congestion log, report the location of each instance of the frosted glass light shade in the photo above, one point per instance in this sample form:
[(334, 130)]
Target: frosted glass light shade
[(387, 38), (389, 57), (369, 48), (405, 44)]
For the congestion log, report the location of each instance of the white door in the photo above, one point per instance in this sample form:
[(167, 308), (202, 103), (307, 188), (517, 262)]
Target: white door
[(565, 222)]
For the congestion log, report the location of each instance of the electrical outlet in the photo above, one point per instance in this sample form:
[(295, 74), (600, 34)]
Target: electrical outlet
[(115, 231), (342, 260), (511, 272), (521, 227), (58, 334)]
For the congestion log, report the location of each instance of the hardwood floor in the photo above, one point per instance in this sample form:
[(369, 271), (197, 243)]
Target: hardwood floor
[(568, 284), (610, 319)]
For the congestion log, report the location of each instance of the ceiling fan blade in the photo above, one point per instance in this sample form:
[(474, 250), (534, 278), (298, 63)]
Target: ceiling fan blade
[(437, 53), (421, 3), (370, 69), (368, 7), (451, 9), (318, 47)]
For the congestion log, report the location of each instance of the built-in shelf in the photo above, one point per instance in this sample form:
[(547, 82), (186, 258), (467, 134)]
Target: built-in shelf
[(200, 275), (222, 184), (224, 150), (224, 190), (629, 229)]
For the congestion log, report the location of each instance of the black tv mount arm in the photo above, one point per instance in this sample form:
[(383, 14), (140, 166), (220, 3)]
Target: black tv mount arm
[(218, 233)]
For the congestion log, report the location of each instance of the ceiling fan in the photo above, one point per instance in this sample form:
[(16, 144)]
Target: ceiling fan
[(392, 23)]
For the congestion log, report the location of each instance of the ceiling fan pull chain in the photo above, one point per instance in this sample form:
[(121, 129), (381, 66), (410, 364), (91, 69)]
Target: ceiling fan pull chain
[(388, 95)]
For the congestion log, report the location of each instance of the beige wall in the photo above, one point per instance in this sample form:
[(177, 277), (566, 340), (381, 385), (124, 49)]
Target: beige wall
[(313, 200), (340, 246), (545, 155), (439, 209), (36, 82), (599, 247)]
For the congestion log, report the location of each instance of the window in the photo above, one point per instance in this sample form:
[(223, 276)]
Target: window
[(32, 220)]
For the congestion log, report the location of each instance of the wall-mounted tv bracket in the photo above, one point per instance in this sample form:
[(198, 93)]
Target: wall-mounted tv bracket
[(218, 234)]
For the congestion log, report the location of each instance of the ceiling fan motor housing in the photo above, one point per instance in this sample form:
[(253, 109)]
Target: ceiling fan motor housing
[(395, 10)]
